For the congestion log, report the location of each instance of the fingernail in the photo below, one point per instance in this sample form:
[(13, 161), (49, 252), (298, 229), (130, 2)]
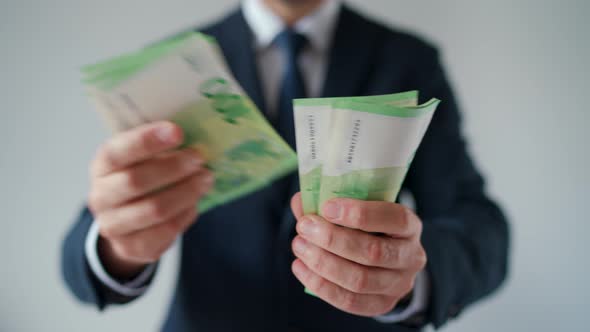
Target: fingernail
[(331, 210), (307, 226), (165, 133), (299, 245)]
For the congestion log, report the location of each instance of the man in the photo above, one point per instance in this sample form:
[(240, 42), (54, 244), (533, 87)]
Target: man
[(244, 265)]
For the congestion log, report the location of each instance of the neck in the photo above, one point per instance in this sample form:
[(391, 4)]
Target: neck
[(290, 11)]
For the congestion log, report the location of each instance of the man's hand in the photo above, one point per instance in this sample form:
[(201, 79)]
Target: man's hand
[(343, 260), (143, 194)]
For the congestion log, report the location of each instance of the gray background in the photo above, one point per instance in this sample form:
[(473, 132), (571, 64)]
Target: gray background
[(519, 68)]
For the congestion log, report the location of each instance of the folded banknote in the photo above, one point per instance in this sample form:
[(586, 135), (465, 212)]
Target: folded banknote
[(340, 158), (186, 80), (370, 148), (357, 147)]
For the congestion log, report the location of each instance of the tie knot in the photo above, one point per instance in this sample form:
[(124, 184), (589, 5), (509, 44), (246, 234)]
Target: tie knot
[(290, 42)]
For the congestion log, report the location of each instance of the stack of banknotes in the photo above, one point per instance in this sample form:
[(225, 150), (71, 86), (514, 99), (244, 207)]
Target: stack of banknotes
[(186, 80), (359, 147)]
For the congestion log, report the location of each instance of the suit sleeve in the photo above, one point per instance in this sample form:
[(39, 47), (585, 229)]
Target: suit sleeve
[(465, 234), (76, 270)]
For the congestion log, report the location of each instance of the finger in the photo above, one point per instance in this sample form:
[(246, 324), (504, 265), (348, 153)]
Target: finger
[(373, 216), (148, 245), (358, 304), (359, 246), (135, 181), (296, 206), (136, 145), (154, 208), (346, 274)]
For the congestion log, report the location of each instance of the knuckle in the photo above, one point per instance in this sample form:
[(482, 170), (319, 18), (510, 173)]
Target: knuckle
[(350, 301), (376, 253), (406, 218), (360, 283), (317, 259), (357, 214), (131, 180), (155, 209), (318, 283), (387, 283), (328, 238), (396, 254)]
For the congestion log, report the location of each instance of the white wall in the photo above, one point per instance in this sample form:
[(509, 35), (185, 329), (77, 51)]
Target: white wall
[(519, 68)]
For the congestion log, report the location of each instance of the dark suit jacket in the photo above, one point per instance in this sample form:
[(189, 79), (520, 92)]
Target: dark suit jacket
[(235, 262)]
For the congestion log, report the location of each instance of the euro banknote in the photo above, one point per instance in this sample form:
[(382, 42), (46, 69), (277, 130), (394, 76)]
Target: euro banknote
[(186, 80), (357, 147), (312, 127), (370, 147)]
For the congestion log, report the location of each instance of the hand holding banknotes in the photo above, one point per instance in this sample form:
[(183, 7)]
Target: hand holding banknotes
[(364, 267), (143, 194)]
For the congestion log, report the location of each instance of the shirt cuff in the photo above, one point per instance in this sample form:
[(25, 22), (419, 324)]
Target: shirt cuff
[(417, 304), (132, 288)]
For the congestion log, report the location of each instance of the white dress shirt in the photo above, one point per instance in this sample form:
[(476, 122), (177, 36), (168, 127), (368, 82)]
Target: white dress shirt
[(318, 27)]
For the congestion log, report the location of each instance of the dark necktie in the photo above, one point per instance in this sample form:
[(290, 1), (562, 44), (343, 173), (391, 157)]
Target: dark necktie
[(290, 44)]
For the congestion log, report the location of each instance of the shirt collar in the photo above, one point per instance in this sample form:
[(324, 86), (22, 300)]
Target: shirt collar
[(318, 26)]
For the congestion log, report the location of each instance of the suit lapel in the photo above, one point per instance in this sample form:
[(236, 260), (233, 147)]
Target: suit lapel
[(354, 46), (237, 43)]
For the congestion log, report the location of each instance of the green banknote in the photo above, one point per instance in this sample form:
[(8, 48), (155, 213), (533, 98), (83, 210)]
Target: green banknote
[(312, 127), (186, 80), (370, 148), (357, 147)]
